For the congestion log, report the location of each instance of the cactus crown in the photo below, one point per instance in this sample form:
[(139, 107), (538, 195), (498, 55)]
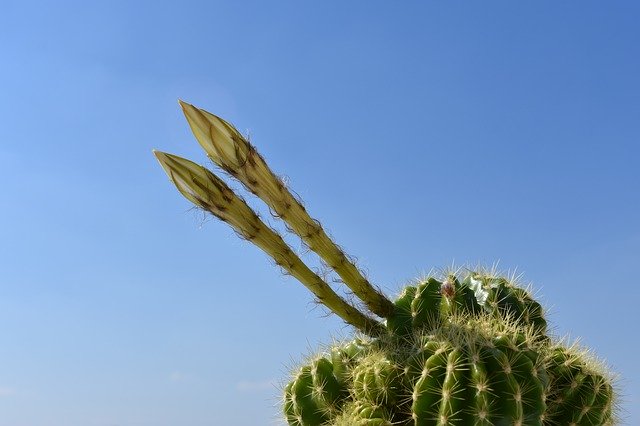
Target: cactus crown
[(464, 349)]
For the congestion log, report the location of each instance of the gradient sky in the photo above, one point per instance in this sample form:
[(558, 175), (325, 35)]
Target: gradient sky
[(420, 133)]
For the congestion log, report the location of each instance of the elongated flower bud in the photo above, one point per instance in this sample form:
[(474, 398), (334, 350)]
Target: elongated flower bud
[(226, 147), (212, 194)]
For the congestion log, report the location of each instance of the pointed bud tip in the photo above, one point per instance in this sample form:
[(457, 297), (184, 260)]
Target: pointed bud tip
[(159, 154), (186, 106)]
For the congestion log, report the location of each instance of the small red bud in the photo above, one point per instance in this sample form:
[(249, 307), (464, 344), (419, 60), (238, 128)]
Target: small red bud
[(447, 289)]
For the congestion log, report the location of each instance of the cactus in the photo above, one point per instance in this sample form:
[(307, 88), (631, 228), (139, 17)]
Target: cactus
[(468, 349), (364, 414), (314, 394), (471, 370), (467, 371), (581, 392), (479, 292)]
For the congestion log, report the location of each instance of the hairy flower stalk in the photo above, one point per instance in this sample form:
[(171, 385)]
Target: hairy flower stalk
[(233, 153), (209, 192)]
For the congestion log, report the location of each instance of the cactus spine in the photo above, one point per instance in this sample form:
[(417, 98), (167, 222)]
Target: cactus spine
[(468, 349)]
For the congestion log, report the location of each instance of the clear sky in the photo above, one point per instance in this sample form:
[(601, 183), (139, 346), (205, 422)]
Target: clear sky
[(420, 133)]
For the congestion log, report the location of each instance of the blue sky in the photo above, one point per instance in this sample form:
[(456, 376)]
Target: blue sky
[(420, 133)]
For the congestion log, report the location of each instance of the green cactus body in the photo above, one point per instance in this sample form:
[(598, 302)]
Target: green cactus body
[(426, 305), (580, 394), (344, 357), (377, 380), (468, 371), (364, 414), (314, 395), (465, 379), (505, 299)]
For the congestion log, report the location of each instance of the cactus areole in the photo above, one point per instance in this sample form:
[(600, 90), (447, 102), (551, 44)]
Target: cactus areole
[(469, 347)]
